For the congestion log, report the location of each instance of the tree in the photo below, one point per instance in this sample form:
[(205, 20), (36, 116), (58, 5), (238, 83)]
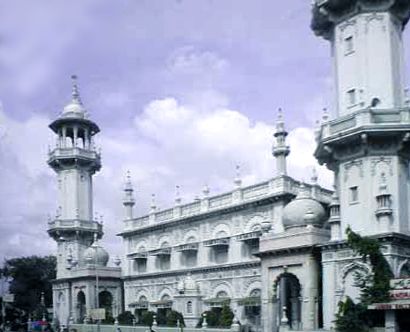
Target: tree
[(30, 277), (147, 318), (226, 316), (125, 318), (174, 316)]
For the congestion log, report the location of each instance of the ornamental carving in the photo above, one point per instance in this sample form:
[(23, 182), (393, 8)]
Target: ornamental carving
[(385, 160), (349, 165)]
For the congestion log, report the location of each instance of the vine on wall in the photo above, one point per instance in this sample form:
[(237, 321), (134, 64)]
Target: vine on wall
[(374, 288)]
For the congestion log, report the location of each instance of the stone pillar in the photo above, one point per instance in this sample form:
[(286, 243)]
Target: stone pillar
[(75, 136), (64, 137), (390, 321), (309, 309)]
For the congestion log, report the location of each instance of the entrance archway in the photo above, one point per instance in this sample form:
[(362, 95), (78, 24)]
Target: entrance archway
[(105, 301), (81, 306), (288, 301)]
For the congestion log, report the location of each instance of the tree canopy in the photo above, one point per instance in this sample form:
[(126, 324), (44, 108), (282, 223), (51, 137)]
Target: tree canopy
[(29, 278)]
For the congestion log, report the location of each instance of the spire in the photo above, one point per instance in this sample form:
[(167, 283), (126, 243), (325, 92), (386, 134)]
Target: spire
[(280, 150), (177, 195), (128, 200), (205, 191), (237, 180), (153, 204), (325, 115), (75, 91), (314, 176)]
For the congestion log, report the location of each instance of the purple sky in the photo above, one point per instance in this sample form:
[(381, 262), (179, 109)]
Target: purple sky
[(183, 90)]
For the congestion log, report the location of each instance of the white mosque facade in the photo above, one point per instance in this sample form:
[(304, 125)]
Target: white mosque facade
[(276, 251)]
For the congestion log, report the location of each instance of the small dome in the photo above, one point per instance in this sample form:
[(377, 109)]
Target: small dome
[(74, 110), (303, 211), (96, 255)]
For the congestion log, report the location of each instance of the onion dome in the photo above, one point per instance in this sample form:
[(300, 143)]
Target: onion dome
[(96, 255), (303, 211)]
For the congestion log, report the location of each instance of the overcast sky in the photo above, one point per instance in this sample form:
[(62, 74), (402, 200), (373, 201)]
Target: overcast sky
[(183, 90)]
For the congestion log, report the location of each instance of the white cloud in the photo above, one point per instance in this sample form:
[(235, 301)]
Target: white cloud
[(169, 143), (188, 59)]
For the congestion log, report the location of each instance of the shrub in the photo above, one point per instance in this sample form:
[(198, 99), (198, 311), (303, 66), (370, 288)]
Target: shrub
[(125, 318)]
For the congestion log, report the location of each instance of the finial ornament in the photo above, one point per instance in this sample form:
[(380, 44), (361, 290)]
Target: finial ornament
[(325, 115), (75, 91), (153, 205), (206, 190), (315, 176), (177, 195), (238, 180)]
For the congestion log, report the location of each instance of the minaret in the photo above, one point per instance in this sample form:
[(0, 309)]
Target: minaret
[(367, 50), (129, 200), (75, 161), (280, 150), (369, 135)]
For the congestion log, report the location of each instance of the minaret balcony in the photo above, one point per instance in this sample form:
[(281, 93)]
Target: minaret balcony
[(59, 154), (58, 226), (359, 126)]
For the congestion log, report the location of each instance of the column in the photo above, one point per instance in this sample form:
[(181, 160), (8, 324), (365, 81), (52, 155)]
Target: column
[(64, 134), (309, 315), (390, 321), (75, 136)]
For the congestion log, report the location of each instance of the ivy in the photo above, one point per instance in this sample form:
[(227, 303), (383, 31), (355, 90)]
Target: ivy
[(374, 287)]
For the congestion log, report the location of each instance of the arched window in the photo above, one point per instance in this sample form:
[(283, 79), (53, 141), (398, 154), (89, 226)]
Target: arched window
[(189, 307)]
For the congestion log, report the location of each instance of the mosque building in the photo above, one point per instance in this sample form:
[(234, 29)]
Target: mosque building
[(275, 251)]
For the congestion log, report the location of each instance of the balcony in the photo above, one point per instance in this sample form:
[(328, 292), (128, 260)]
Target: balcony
[(57, 225), (160, 252), (251, 236), (162, 304), (222, 242), (137, 255), (139, 305), (75, 152), (187, 247)]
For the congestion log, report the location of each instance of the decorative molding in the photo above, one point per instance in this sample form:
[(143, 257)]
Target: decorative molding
[(349, 165), (386, 160)]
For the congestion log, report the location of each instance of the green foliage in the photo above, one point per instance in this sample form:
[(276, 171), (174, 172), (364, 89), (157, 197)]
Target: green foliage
[(173, 317), (125, 318), (375, 287), (30, 276), (218, 317), (351, 317), (147, 318), (226, 316)]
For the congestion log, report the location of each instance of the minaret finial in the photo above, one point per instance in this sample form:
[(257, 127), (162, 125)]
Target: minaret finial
[(205, 191), (314, 176), (177, 195), (75, 91), (238, 180), (153, 204), (325, 115)]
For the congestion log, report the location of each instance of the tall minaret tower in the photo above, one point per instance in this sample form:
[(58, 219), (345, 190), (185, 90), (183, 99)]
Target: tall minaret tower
[(75, 161), (367, 145), (280, 149), (369, 137)]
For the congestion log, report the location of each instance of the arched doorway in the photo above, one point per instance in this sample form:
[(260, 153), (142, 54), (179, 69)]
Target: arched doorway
[(81, 306), (105, 301), (141, 308), (288, 301)]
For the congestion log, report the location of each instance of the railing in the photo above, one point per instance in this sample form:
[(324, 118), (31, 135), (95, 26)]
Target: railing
[(249, 236), (366, 117), (220, 200), (74, 223), (192, 208), (138, 328), (73, 152), (217, 242), (137, 255), (160, 252), (187, 247), (275, 186)]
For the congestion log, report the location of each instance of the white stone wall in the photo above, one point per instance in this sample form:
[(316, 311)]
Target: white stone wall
[(368, 55), (366, 174)]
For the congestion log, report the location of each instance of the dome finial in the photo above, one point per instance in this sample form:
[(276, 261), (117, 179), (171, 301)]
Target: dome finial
[(75, 91)]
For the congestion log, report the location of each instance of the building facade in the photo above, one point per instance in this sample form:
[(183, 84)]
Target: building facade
[(276, 251)]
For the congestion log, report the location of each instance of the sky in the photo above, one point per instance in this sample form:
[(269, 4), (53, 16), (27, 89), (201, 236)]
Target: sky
[(183, 90)]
